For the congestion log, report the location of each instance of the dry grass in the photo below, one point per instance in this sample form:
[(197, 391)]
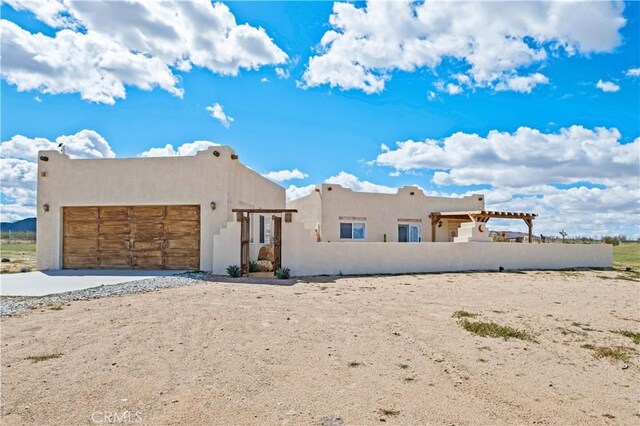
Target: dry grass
[(22, 257), (491, 329), (39, 358), (464, 314), (618, 353), (633, 335)]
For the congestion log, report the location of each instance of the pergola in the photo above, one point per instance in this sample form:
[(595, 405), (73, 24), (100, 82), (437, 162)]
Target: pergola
[(480, 216)]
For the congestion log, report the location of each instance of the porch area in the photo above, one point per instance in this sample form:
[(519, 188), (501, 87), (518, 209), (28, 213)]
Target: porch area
[(479, 216)]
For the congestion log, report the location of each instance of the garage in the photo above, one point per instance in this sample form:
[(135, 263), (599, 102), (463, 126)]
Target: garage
[(131, 237)]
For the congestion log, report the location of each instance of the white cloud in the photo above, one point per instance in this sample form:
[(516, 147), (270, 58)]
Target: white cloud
[(14, 212), (344, 179), (495, 39), (294, 192), (522, 84), (218, 113), (84, 144), (51, 12), (284, 175), (19, 166), (633, 72), (264, 80), (527, 170), (353, 182), (282, 73), (525, 157), (190, 148), (97, 52), (72, 62), (607, 86)]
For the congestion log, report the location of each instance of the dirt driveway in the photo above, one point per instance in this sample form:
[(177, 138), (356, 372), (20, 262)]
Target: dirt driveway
[(368, 350)]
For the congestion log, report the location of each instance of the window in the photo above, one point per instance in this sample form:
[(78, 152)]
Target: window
[(265, 230), (409, 233), (352, 231)]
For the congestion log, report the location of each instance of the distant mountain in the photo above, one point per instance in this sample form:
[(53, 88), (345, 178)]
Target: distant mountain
[(24, 225)]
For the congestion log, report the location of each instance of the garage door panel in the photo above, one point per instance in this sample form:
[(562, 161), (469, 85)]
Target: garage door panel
[(183, 213), (140, 237), (182, 244), (148, 212), (111, 244), (148, 262), (149, 245), (79, 245), (148, 229), (113, 227), (81, 229), (114, 213), (80, 261), (115, 260), (182, 262), (81, 213), (182, 228)]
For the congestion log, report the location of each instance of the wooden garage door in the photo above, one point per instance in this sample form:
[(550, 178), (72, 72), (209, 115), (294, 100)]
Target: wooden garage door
[(131, 237)]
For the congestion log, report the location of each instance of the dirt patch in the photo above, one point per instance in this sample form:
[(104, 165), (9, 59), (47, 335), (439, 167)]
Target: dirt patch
[(230, 353)]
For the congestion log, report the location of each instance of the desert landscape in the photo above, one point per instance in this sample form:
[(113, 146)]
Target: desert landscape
[(460, 348)]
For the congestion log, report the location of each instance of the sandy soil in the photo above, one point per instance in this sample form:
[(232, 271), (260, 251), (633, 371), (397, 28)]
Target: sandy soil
[(231, 353)]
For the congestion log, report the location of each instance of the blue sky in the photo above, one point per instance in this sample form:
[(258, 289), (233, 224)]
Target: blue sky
[(302, 122)]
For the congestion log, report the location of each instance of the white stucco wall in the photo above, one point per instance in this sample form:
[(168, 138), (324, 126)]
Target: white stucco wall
[(382, 211), (198, 179), (304, 256)]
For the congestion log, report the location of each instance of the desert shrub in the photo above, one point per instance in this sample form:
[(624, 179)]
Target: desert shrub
[(6, 260), (283, 273), (234, 271), (25, 269), (253, 266), (611, 240)]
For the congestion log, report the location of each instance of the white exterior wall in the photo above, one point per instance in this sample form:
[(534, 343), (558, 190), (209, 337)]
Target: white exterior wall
[(382, 211), (304, 256), (198, 179)]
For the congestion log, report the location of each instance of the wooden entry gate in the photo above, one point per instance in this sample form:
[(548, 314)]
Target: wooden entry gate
[(245, 235), (277, 243)]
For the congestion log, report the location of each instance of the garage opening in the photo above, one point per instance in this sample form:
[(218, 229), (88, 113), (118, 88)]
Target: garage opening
[(131, 237)]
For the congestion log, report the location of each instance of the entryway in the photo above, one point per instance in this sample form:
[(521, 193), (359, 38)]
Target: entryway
[(244, 217)]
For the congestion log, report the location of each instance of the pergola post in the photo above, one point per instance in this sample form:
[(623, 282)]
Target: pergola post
[(529, 223), (434, 221)]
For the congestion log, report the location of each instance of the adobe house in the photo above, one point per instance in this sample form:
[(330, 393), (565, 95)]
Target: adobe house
[(145, 213), (208, 211), (340, 214)]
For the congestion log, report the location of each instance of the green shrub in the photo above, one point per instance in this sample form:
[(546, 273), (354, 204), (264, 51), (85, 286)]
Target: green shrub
[(253, 266), (611, 240), (234, 271), (283, 273)]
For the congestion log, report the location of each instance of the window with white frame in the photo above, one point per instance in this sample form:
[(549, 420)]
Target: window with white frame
[(352, 230), (408, 233)]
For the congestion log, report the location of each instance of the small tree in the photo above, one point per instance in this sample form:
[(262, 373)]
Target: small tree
[(564, 234)]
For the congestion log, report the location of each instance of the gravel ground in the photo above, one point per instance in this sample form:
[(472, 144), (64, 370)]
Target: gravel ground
[(10, 305)]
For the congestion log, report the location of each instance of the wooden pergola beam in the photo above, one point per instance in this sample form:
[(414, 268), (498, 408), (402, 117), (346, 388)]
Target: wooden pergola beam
[(481, 216)]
